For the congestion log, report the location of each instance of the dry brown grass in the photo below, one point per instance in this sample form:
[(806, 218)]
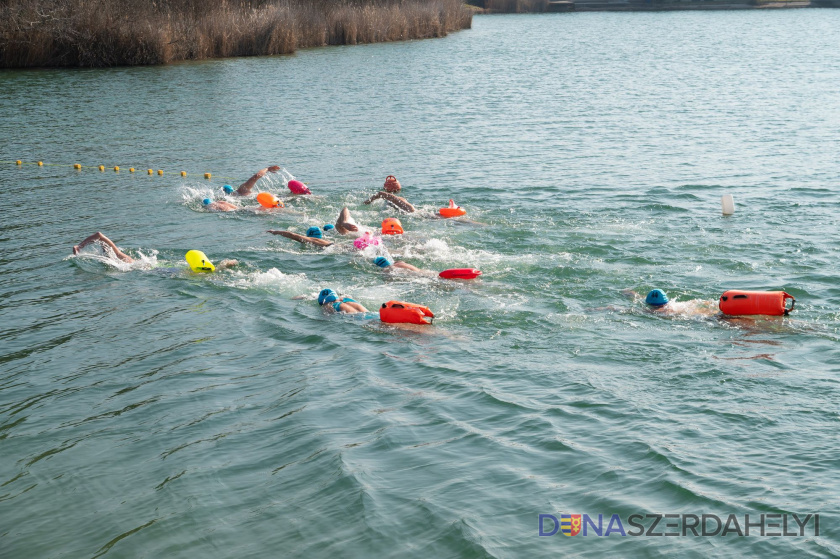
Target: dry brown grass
[(131, 32)]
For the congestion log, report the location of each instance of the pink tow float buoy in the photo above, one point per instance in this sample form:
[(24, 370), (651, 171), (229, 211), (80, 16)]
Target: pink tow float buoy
[(460, 273), (298, 187), (366, 240)]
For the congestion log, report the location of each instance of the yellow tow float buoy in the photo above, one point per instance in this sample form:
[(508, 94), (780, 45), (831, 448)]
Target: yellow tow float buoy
[(151, 172), (40, 164), (77, 166), (102, 167), (183, 173), (207, 175), (116, 168), (160, 171), (131, 169), (199, 262), (18, 162)]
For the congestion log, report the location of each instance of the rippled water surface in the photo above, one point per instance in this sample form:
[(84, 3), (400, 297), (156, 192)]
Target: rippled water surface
[(146, 411)]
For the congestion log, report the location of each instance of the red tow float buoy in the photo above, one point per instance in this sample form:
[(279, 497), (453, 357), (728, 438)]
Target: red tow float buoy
[(460, 273), (745, 303), (400, 312)]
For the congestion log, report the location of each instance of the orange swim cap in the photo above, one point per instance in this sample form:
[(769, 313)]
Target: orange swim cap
[(392, 226)]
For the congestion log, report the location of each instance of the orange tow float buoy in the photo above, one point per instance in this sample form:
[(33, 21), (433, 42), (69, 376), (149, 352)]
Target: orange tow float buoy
[(742, 303), (392, 226), (268, 200), (392, 184), (400, 312), (452, 210)]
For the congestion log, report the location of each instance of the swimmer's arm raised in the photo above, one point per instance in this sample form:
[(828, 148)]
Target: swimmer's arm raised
[(398, 202), (393, 199), (246, 187), (99, 237)]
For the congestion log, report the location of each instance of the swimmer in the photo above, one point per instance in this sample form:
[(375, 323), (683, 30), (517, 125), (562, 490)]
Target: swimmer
[(390, 188), (334, 303), (385, 263), (658, 302), (219, 206), (314, 236), (99, 238), (344, 225), (246, 187)]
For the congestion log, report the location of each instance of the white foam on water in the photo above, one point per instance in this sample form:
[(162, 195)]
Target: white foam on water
[(272, 280)]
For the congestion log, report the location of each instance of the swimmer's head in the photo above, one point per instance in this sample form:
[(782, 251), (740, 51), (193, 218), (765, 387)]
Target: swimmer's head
[(228, 189), (656, 298), (314, 232), (382, 262), (207, 201), (329, 227), (327, 296)]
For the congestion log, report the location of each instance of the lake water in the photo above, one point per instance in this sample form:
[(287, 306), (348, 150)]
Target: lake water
[(146, 411)]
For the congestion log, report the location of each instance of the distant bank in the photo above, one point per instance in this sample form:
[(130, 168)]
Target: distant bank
[(525, 6), (96, 33)]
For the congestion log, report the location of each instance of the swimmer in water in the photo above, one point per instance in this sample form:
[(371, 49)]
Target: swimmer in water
[(658, 302), (314, 236), (387, 264), (101, 239), (389, 194), (246, 187), (344, 225), (219, 206), (330, 300)]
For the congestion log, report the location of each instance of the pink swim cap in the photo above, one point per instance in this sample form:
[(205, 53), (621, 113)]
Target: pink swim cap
[(365, 241), (298, 187)]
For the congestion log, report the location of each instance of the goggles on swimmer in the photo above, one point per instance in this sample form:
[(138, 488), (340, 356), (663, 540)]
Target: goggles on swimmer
[(656, 298), (382, 262), (327, 296), (228, 189), (314, 232)]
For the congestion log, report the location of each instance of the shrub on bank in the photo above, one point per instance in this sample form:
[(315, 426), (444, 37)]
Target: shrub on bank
[(131, 32)]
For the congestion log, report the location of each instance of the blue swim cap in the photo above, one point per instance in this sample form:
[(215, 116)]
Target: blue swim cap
[(227, 188), (327, 296), (382, 262), (329, 226), (207, 201), (314, 232), (656, 298)]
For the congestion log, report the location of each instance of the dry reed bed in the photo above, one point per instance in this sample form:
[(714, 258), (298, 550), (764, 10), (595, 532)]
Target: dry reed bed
[(131, 32)]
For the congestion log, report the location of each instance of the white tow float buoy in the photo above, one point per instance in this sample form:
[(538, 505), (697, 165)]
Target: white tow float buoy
[(727, 204)]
